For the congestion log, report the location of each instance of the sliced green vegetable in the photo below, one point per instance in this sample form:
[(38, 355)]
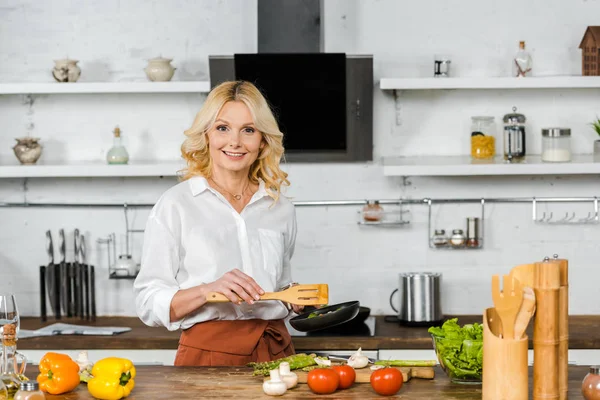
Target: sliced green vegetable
[(296, 361)]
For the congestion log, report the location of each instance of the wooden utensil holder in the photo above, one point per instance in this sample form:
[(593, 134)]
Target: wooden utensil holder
[(505, 374)]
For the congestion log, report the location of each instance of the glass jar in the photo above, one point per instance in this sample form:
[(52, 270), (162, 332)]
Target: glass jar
[(590, 386), (514, 136), (458, 238), (483, 141), (372, 211), (29, 390), (556, 145), (439, 238), (472, 232)]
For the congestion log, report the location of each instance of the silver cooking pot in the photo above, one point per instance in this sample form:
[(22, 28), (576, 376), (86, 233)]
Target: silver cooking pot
[(420, 298)]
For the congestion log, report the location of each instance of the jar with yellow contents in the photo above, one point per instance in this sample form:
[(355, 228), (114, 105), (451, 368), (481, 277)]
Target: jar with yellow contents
[(483, 141)]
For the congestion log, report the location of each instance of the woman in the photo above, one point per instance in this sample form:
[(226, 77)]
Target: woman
[(226, 229)]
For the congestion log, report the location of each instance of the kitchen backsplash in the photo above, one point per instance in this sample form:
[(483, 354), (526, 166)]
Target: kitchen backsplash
[(358, 262)]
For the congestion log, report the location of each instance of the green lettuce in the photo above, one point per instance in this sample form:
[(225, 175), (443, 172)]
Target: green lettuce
[(460, 349)]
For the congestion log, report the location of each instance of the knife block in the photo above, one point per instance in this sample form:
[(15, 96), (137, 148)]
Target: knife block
[(505, 374)]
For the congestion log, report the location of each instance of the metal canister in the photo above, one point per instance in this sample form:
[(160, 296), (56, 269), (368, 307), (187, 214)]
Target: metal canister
[(472, 232), (514, 136)]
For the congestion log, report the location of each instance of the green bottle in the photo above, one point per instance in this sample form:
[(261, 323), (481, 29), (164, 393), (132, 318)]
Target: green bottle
[(117, 153)]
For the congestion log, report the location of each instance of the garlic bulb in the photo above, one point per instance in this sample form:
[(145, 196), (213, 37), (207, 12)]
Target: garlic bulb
[(83, 361), (290, 378), (358, 360), (274, 386)]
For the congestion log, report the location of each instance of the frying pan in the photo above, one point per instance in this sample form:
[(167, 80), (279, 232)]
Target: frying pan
[(340, 313)]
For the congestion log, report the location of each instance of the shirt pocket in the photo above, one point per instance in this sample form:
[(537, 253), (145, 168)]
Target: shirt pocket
[(271, 244)]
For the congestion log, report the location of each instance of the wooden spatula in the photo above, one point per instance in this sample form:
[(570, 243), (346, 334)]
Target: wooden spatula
[(303, 295), (525, 312), (507, 302)]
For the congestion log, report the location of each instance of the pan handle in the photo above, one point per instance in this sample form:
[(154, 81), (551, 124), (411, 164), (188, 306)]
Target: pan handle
[(391, 302)]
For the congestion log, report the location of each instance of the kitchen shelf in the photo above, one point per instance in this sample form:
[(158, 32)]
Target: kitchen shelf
[(465, 166), (550, 82), (87, 169), (105, 87)]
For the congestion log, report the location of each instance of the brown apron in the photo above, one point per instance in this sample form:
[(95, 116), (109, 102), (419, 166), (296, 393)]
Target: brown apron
[(237, 342)]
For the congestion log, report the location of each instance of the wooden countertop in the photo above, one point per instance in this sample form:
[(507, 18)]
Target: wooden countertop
[(583, 334), (160, 382)]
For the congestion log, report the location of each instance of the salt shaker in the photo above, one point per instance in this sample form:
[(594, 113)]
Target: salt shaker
[(29, 390)]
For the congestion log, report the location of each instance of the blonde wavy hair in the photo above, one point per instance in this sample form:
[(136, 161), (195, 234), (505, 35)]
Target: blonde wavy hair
[(195, 148)]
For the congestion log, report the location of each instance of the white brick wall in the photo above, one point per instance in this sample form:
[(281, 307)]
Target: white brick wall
[(112, 40)]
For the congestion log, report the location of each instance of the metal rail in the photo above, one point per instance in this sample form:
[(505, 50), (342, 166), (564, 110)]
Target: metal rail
[(326, 203)]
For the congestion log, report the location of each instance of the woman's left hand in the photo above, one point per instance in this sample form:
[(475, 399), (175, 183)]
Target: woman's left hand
[(297, 309)]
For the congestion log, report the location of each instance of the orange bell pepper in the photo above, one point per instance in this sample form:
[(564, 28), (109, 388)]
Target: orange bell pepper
[(58, 373)]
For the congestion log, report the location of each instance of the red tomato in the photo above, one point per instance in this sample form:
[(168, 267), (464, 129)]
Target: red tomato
[(323, 380), (386, 381), (347, 375)]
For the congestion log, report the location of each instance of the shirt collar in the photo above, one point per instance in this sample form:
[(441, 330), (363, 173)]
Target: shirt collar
[(199, 184)]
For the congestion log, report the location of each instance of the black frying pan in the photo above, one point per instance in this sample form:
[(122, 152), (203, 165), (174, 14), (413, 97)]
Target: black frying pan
[(340, 313)]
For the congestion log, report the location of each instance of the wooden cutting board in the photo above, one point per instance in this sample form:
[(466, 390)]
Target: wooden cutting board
[(363, 375)]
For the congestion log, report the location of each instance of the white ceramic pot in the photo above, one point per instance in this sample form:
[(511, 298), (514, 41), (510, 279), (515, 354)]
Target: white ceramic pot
[(27, 150), (596, 150), (160, 69), (66, 70)]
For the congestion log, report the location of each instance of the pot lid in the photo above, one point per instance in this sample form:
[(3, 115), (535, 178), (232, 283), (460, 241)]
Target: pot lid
[(160, 59), (514, 117)]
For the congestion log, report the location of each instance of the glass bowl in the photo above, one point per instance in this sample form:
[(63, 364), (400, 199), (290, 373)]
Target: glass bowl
[(452, 355)]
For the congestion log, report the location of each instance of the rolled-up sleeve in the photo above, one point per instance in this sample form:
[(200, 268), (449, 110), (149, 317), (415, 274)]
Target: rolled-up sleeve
[(290, 245), (155, 285)]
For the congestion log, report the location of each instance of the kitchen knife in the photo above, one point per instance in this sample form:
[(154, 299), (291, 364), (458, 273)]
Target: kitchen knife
[(86, 281), (50, 281), (62, 274), (93, 292), (78, 277), (43, 293)]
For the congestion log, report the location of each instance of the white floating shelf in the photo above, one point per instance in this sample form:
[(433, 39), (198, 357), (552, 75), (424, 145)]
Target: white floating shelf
[(105, 87), (465, 166), (98, 169), (550, 82)]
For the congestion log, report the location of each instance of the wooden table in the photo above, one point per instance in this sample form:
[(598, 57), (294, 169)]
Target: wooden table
[(154, 382), (583, 334)]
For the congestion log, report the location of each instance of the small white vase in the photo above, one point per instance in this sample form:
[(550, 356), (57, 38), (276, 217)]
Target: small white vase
[(66, 70), (596, 150), (160, 69)]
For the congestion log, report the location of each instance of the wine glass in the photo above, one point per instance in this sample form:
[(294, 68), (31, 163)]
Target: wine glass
[(12, 362), (9, 320)]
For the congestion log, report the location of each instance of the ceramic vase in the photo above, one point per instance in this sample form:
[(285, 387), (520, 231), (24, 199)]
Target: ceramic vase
[(66, 70), (160, 69), (27, 150)]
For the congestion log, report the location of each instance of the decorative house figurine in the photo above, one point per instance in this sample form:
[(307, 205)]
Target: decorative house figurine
[(590, 51)]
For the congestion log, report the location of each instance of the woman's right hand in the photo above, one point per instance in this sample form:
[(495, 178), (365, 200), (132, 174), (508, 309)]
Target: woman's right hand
[(235, 285)]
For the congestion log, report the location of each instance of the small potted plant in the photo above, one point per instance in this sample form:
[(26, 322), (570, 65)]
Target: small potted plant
[(596, 126)]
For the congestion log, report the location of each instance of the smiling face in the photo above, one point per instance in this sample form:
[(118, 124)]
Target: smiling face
[(233, 140)]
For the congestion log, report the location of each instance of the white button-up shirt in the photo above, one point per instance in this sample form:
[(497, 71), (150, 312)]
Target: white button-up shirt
[(193, 236)]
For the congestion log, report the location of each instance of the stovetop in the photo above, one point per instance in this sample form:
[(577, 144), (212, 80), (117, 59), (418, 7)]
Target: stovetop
[(366, 328)]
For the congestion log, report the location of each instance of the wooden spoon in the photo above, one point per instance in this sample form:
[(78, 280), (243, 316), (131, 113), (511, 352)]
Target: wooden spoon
[(507, 302), (304, 295)]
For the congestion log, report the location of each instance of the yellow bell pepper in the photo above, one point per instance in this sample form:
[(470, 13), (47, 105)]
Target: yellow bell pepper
[(58, 373), (112, 378)]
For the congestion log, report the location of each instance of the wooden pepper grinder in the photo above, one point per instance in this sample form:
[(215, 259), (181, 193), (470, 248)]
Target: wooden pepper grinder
[(563, 327), (546, 284)]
